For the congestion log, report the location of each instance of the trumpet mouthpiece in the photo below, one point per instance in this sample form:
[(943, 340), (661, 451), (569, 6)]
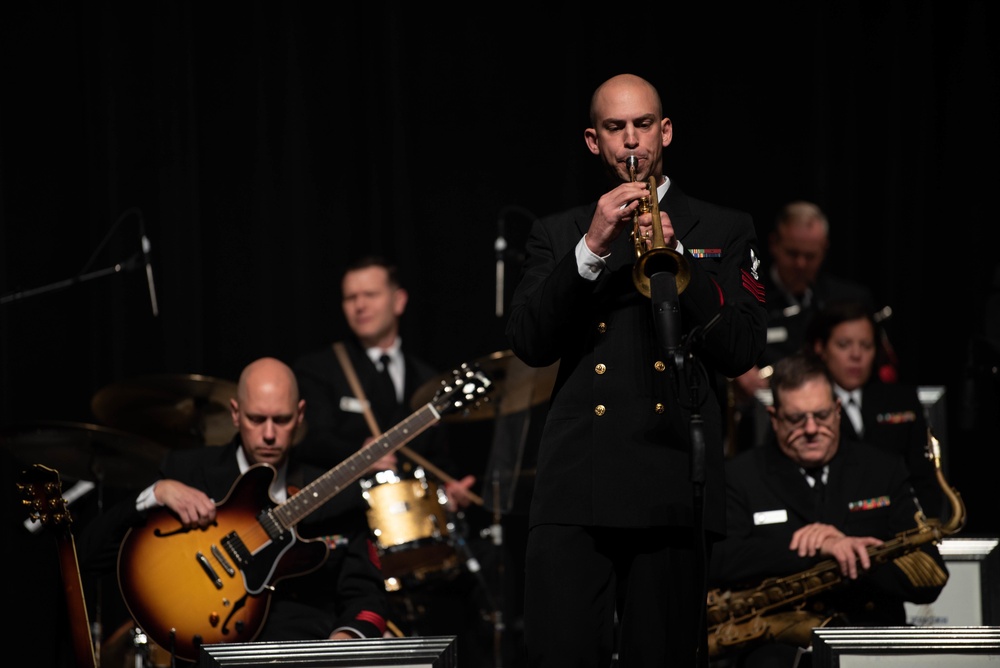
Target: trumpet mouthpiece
[(632, 163)]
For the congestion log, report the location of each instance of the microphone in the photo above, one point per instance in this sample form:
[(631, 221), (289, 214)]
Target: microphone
[(149, 265), (500, 246), (666, 311)]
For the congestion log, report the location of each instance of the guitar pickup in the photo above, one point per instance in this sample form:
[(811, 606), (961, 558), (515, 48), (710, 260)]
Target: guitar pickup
[(236, 549), (217, 553), (213, 576)]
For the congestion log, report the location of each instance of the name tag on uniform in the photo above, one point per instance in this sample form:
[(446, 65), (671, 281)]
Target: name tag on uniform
[(770, 517), (777, 334), (351, 405)]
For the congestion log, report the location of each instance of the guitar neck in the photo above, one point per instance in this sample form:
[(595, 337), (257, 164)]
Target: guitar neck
[(334, 481), (83, 644), (42, 491)]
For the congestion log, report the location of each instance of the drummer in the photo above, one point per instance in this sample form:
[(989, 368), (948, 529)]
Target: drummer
[(449, 600), (373, 300)]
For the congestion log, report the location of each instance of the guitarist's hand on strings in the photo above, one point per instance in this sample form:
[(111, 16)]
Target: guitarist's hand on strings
[(193, 507)]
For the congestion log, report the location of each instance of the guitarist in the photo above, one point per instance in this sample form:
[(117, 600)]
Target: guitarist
[(344, 598)]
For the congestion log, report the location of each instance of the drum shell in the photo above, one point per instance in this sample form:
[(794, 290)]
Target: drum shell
[(410, 522)]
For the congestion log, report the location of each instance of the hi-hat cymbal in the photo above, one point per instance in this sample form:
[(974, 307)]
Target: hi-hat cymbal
[(516, 387), (83, 451), (177, 410)]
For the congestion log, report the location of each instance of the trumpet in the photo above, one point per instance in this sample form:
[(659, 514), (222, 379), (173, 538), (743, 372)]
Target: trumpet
[(657, 257)]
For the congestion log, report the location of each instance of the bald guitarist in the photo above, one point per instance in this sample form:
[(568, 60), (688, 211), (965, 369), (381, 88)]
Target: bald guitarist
[(327, 577)]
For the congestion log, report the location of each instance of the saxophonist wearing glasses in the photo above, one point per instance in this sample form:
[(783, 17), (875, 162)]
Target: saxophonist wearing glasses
[(629, 491), (807, 499)]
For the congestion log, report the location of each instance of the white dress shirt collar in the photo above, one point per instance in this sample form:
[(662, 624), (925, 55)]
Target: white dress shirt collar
[(851, 401)]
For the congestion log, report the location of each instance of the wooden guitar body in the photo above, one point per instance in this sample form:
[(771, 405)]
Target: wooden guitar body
[(224, 571)]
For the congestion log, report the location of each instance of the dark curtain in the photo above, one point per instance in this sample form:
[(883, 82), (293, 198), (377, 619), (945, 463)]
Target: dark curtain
[(262, 146)]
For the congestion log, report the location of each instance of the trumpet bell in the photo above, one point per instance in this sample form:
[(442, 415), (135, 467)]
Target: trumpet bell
[(657, 260)]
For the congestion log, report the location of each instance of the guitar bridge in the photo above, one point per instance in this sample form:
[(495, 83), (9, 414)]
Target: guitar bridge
[(275, 531)]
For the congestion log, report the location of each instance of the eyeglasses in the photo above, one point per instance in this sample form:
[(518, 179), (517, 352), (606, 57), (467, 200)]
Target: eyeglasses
[(824, 417)]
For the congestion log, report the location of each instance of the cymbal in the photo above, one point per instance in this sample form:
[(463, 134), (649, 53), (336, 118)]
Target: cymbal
[(178, 410), (516, 387), (83, 451)]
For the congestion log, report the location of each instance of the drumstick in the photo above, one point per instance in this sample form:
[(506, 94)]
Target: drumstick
[(373, 424)]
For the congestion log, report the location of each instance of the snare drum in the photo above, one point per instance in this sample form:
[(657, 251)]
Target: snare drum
[(408, 517)]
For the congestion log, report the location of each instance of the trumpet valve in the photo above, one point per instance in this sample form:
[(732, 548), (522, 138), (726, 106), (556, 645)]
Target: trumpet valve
[(644, 206)]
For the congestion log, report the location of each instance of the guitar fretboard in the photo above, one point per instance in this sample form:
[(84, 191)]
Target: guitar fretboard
[(331, 483)]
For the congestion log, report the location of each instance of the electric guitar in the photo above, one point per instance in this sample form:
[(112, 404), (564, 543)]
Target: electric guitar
[(41, 490), (191, 587)]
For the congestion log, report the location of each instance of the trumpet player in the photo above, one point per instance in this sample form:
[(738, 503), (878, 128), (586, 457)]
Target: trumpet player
[(618, 525), (812, 496)]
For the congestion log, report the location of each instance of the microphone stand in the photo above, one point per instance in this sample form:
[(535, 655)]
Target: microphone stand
[(698, 477), (84, 275), (500, 248), (667, 328), (117, 268), (496, 533)]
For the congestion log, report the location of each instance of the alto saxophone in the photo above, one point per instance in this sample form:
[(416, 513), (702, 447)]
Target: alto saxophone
[(784, 609)]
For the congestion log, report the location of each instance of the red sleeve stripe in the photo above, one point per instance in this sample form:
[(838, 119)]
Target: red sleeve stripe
[(722, 296), (371, 618), (753, 286)]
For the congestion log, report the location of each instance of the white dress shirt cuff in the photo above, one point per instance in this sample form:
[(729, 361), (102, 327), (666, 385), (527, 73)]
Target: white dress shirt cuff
[(147, 499), (589, 264)]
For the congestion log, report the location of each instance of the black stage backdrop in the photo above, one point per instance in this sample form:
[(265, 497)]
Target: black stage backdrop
[(262, 146)]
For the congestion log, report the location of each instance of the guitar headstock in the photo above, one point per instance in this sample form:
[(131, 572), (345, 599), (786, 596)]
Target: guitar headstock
[(41, 494), (467, 390)]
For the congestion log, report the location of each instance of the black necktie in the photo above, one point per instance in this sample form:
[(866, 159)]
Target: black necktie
[(816, 475), (388, 388)]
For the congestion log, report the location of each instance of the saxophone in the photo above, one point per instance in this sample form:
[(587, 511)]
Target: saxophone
[(785, 609)]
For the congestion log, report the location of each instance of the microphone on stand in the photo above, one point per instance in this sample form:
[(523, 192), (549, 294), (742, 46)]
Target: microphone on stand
[(666, 313), (500, 246), (149, 265)]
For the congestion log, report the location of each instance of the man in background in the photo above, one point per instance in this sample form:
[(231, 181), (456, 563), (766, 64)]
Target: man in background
[(434, 588), (796, 286)]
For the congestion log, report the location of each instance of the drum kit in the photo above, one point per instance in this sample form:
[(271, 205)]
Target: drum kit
[(142, 418)]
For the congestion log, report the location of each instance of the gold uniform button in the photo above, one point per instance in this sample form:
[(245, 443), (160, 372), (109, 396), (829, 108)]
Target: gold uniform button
[(600, 369), (659, 408), (659, 366), (602, 327), (599, 410)]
